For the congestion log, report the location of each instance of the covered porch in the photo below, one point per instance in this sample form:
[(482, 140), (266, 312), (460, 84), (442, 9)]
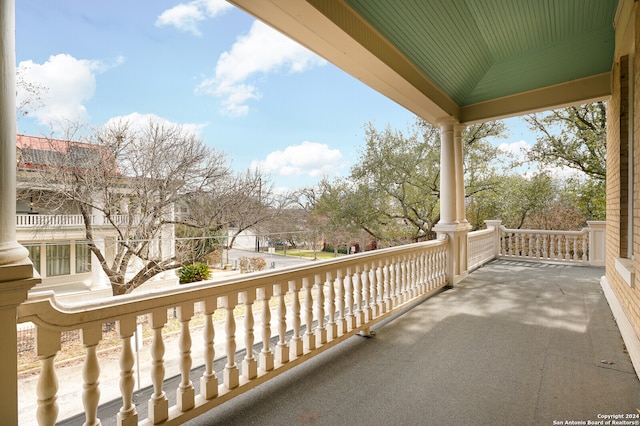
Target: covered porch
[(485, 349), (514, 343)]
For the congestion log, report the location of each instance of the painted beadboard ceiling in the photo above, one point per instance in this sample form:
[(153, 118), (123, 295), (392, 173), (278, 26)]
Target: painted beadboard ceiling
[(477, 50)]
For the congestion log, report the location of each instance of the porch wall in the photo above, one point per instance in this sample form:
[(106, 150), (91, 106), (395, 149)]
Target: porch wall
[(622, 283)]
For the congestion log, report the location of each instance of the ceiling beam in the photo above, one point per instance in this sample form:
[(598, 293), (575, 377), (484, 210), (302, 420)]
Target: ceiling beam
[(575, 92)]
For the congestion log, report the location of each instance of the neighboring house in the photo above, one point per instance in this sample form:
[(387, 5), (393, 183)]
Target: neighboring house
[(56, 238)]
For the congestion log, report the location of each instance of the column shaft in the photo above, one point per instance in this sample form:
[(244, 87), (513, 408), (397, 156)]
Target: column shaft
[(461, 215), (447, 174), (10, 250)]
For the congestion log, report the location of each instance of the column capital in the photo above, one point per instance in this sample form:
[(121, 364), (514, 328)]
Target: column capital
[(459, 128), (447, 122)]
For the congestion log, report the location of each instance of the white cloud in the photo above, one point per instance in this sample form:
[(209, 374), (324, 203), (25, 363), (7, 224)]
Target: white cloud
[(186, 17), (309, 158), (516, 150), (140, 121), (65, 84), (263, 50)]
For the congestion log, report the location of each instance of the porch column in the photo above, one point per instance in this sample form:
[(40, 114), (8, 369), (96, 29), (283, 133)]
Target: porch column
[(447, 173), (10, 250), (16, 271), (461, 211), (452, 224)]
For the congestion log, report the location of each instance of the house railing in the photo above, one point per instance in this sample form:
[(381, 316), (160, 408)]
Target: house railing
[(71, 220), (38, 220), (584, 247), (306, 309)]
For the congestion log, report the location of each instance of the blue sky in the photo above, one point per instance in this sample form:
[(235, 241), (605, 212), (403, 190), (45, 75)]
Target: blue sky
[(244, 88)]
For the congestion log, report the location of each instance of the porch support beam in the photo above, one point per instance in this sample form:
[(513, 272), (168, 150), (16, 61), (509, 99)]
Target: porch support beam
[(453, 224), (16, 271)]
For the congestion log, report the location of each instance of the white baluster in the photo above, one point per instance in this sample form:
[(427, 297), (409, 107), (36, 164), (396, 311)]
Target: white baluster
[(266, 356), (403, 281), (47, 347), (349, 318), (282, 349), (376, 283), (309, 337), (575, 247), (567, 252), (231, 373), (552, 247), (321, 330), (357, 291), (332, 327), (415, 274), (366, 294), (393, 283), (295, 345), (209, 381), (127, 416), (158, 404), (341, 321), (249, 363), (585, 249), (185, 394), (440, 263), (90, 338), (383, 287)]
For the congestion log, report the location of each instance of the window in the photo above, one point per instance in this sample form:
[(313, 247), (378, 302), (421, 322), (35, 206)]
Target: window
[(83, 258), (34, 255), (58, 259)]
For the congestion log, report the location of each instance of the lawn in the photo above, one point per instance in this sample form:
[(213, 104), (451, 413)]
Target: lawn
[(307, 254)]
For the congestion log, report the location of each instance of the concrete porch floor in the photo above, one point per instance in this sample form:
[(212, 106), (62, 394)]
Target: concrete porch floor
[(515, 343)]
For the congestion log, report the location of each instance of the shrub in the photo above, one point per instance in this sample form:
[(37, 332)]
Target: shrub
[(258, 263), (197, 271), (250, 264)]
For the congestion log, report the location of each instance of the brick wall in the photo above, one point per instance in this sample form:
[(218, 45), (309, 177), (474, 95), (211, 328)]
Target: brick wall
[(618, 115)]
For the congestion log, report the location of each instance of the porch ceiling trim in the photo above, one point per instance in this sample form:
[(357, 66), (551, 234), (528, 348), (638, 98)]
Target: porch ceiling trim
[(588, 89)]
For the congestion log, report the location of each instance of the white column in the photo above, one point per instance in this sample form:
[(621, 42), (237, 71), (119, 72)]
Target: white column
[(447, 173), (10, 250), (16, 271), (452, 222), (461, 215)]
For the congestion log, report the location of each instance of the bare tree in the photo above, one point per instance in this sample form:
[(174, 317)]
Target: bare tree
[(125, 182)]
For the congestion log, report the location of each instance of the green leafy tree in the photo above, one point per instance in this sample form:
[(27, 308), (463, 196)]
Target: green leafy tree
[(575, 137), (393, 191)]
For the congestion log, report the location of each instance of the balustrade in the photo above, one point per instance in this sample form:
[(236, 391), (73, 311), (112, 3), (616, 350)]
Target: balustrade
[(330, 301), (558, 246)]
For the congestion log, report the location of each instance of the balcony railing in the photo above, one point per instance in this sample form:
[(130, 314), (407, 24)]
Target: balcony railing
[(37, 220), (326, 303), (70, 220), (300, 312)]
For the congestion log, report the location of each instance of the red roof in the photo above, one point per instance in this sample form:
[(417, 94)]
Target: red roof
[(40, 153)]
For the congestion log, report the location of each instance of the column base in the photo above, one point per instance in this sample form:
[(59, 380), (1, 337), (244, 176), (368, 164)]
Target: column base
[(12, 253), (457, 252)]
